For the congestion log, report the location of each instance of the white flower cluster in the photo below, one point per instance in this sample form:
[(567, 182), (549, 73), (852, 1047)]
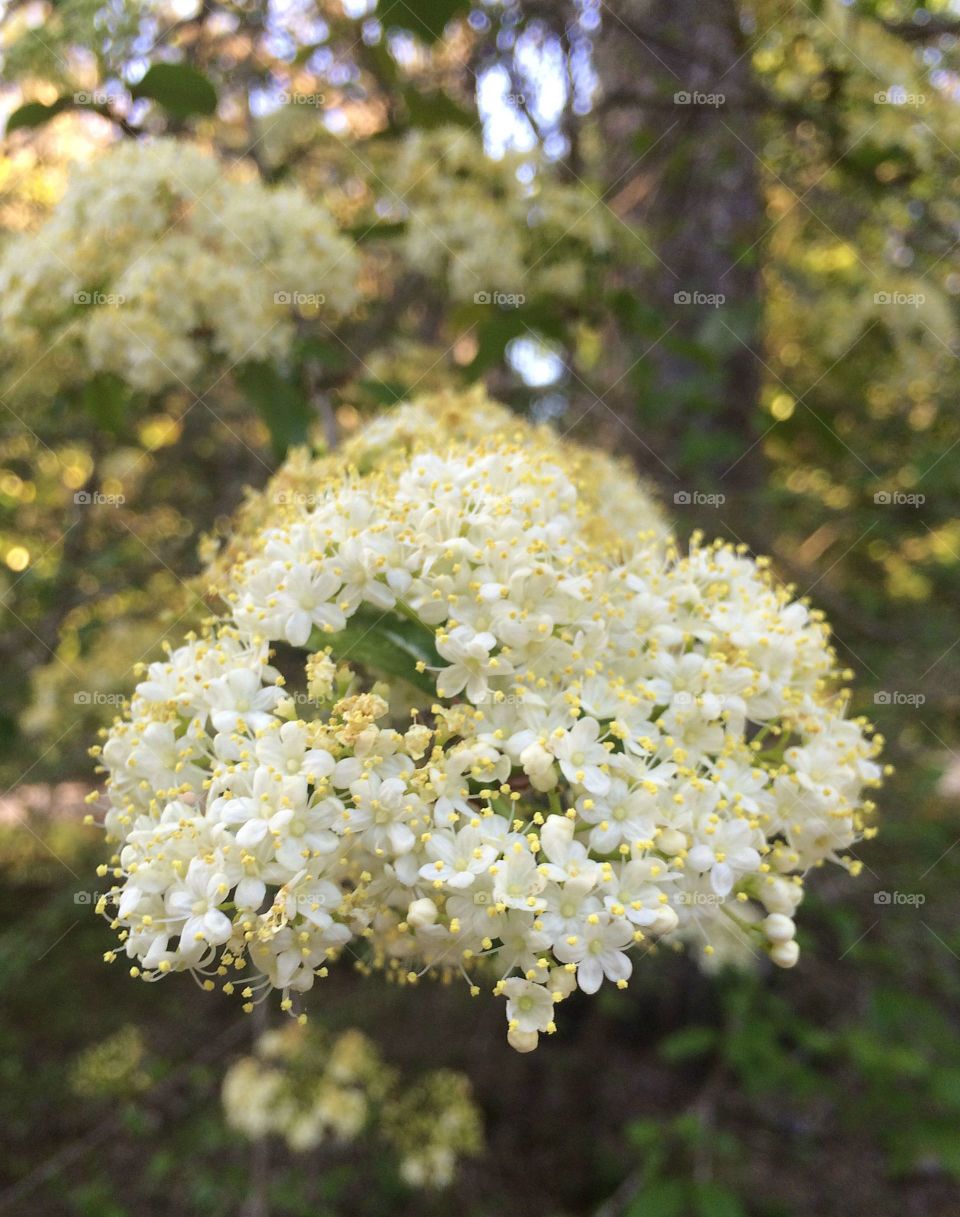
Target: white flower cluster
[(158, 261), (303, 1087), (310, 1089), (589, 740), (490, 225)]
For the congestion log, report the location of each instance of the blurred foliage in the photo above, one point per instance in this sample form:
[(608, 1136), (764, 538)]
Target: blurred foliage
[(770, 1096)]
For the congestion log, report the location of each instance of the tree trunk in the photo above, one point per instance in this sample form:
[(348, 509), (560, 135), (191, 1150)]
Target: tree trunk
[(678, 121)]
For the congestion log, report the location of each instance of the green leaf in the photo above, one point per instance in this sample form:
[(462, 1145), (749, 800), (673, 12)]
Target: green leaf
[(386, 645), (279, 402), (382, 63), (35, 113), (644, 1134), (384, 392), (493, 334), (310, 347), (427, 18), (377, 231), (180, 89), (665, 1198), (687, 1043), (712, 1200), (106, 398), (925, 1143), (863, 161), (428, 110), (945, 1086)]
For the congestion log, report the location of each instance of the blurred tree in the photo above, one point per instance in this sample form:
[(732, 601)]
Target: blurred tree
[(679, 118)]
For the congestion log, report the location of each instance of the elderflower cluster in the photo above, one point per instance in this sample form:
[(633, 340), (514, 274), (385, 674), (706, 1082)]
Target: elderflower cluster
[(469, 417), (488, 225), (115, 1067), (461, 715), (431, 1125), (159, 261), (304, 1087), (310, 1089)]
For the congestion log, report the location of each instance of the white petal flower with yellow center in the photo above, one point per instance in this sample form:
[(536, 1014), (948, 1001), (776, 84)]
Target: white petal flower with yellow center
[(584, 760), (599, 952), (471, 663)]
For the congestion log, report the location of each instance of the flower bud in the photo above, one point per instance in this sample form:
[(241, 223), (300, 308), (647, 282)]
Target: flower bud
[(523, 1041), (785, 954), (783, 860), (538, 766), (562, 982), (780, 895), (778, 928), (665, 921), (671, 841), (422, 913), (417, 740)]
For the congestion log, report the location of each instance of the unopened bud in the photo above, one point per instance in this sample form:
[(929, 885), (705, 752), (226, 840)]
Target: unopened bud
[(671, 841), (779, 928), (665, 921), (523, 1041), (422, 913), (785, 954)]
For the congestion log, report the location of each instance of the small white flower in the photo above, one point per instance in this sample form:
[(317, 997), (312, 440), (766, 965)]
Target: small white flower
[(598, 952), (381, 811), (567, 907), (471, 663), (238, 698), (287, 751), (305, 598), (622, 816), (517, 880), (567, 857), (197, 901), (529, 1005), (726, 854), (583, 759), (457, 858)]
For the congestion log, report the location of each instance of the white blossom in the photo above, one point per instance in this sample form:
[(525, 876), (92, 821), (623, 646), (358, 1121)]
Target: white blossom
[(588, 738)]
